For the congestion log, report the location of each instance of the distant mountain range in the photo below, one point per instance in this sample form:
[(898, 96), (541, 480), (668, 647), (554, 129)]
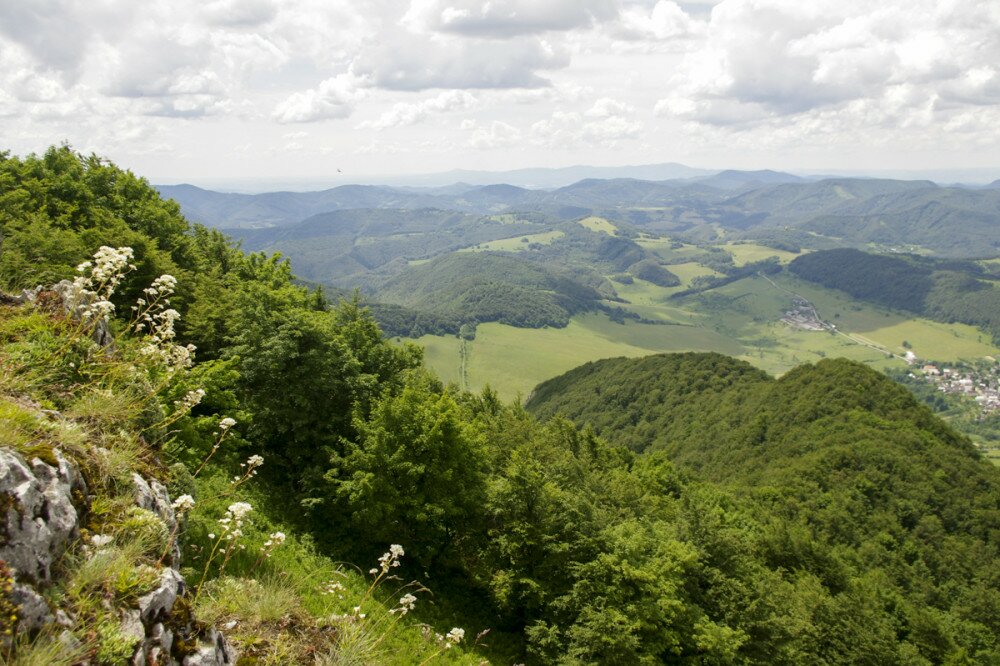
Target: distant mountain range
[(951, 221), (242, 211)]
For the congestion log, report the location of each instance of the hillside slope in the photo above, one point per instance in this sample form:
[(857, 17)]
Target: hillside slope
[(491, 287), (945, 290)]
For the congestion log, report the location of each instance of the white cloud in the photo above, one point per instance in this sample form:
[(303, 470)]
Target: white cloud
[(606, 124), (241, 13), (607, 107), (666, 20), (506, 18), (403, 114), (333, 98), (409, 62), (596, 80), (765, 59), (498, 135)]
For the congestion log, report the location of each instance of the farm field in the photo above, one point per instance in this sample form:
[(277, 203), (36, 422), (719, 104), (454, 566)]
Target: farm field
[(741, 319), (746, 253), (598, 224), (514, 360), (515, 244)]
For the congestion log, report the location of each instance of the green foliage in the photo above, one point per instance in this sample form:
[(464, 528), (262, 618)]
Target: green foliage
[(415, 474), (651, 271), (491, 287), (858, 488)]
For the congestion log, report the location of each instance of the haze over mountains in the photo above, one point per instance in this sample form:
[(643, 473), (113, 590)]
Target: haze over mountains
[(946, 220)]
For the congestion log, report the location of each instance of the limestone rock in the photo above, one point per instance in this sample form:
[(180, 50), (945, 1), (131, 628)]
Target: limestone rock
[(33, 611), (213, 650), (157, 605), (38, 519), (132, 624)]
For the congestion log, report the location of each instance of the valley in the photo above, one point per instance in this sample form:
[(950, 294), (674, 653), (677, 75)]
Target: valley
[(507, 287), (742, 319)]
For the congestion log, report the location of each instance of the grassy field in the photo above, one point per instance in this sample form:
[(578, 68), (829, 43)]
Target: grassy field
[(515, 244), (599, 224), (741, 319), (746, 253), (514, 360)]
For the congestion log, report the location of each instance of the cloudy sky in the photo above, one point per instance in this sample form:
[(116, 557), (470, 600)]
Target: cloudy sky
[(204, 91)]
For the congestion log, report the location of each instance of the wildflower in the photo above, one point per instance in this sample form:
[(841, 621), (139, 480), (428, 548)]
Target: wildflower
[(391, 558), (183, 504), (454, 637), (100, 540), (211, 535), (332, 587), (406, 604), (253, 462), (232, 522), (239, 510), (274, 540), (190, 399), (226, 423)]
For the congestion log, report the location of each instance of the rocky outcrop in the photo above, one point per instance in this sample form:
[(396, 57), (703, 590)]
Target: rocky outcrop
[(64, 296), (42, 505), (38, 517)]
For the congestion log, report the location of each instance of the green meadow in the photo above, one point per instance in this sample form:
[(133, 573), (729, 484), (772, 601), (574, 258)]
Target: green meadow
[(516, 243), (741, 319), (746, 253), (598, 224), (514, 360)]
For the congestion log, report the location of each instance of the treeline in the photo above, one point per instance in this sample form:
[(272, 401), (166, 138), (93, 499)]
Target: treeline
[(945, 290), (651, 271), (396, 321), (768, 266), (487, 287), (850, 525)]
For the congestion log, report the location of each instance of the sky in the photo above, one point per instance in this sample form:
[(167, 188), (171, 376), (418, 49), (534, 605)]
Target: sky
[(226, 90)]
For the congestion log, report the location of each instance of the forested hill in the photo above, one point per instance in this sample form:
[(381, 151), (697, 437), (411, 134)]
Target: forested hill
[(842, 465), (949, 291), (482, 287), (730, 421)]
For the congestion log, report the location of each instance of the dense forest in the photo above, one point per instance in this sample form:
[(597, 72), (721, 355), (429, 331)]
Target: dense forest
[(945, 290), (482, 287), (693, 510)]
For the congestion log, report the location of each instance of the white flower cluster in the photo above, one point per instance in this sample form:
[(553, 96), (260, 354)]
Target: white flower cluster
[(183, 504), (157, 320), (406, 604), (93, 291), (249, 469), (232, 522), (190, 399), (226, 423), (101, 540), (161, 336), (453, 637), (332, 587), (388, 560), (274, 540), (162, 287)]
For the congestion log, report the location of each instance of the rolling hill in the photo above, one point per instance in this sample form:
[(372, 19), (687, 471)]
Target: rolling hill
[(491, 287), (948, 291)]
